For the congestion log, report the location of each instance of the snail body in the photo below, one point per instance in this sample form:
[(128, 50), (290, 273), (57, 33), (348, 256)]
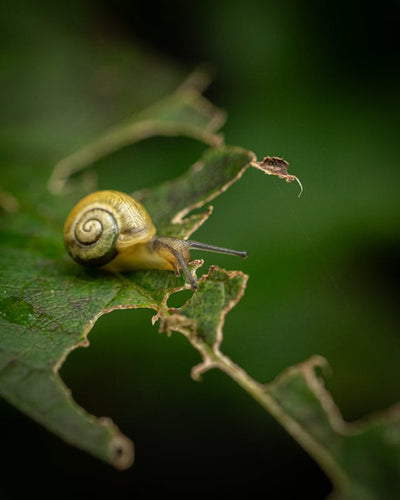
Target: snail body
[(112, 230)]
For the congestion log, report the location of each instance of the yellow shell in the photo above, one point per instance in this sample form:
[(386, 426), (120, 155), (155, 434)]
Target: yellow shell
[(112, 230), (103, 224)]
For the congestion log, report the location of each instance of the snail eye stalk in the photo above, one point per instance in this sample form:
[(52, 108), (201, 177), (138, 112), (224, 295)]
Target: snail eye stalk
[(212, 248)]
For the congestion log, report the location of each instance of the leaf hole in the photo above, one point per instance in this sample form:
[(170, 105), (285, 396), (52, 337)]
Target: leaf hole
[(178, 299)]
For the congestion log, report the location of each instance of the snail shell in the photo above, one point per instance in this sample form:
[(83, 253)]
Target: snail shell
[(113, 230), (104, 223)]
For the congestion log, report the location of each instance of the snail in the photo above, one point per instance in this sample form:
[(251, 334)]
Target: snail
[(112, 230)]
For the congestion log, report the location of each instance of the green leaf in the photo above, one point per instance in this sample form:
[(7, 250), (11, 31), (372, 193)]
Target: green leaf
[(49, 304), (362, 458), (184, 113)]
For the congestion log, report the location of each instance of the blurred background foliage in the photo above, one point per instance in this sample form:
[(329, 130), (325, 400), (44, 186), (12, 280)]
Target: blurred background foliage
[(313, 82)]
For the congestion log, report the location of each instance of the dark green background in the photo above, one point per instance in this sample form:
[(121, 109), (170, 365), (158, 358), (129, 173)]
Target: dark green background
[(317, 84)]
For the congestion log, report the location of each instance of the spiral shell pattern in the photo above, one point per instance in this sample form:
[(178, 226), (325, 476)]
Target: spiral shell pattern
[(95, 235), (102, 223)]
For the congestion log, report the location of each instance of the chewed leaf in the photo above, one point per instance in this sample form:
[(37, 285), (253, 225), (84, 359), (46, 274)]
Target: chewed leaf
[(184, 113), (362, 458), (201, 318), (49, 305), (170, 202), (272, 165), (213, 174)]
